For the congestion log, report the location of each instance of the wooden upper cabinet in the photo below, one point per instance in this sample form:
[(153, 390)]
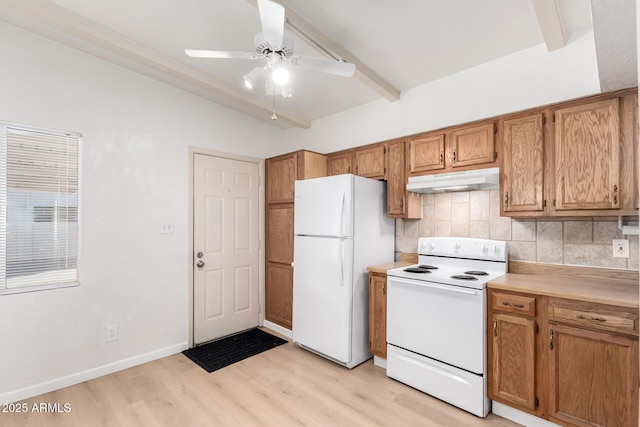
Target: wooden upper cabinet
[(281, 174), (472, 145), (426, 153), (283, 171), (339, 163), (400, 202), (587, 154), (523, 164), (371, 162)]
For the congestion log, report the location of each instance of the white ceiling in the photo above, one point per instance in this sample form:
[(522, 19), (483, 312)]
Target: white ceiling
[(398, 44)]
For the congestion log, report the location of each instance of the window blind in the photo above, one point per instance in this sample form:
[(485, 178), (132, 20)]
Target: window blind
[(38, 208)]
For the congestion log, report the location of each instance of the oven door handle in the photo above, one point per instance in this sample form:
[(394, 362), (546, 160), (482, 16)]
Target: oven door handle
[(430, 285)]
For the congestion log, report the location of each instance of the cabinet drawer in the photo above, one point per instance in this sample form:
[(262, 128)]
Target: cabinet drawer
[(511, 303), (594, 316)]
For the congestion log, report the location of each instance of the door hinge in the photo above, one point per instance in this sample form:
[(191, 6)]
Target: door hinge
[(554, 203), (535, 329), (495, 128), (544, 119), (554, 118), (385, 170), (544, 204), (384, 150), (495, 155), (536, 402), (259, 244), (259, 181)]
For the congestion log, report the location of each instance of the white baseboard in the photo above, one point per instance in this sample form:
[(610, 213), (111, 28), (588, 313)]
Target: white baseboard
[(89, 374), (279, 329), (379, 361), (519, 417)]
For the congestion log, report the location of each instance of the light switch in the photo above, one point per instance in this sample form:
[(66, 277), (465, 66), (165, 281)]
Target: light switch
[(166, 227)]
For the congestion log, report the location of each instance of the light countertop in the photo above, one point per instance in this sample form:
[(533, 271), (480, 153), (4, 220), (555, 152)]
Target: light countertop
[(581, 289)]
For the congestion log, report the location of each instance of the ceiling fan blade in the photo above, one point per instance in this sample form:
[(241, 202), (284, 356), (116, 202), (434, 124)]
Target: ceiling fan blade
[(221, 54), (339, 68), (272, 21)]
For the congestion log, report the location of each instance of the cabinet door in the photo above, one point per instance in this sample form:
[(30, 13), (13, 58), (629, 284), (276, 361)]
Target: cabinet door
[(279, 294), (593, 377), (338, 164), (371, 162), (474, 145), (513, 370), (587, 144), (523, 164), (378, 314), (426, 154), (279, 233), (281, 174)]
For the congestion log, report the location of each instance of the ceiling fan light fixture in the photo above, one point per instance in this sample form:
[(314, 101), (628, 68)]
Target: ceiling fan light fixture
[(251, 78), (248, 82), (286, 90), (280, 75)]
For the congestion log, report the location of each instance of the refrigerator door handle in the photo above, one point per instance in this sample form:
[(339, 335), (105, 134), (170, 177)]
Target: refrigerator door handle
[(340, 254), (342, 214)]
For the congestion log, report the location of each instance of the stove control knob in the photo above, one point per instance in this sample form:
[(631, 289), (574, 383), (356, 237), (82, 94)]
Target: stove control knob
[(456, 247), (432, 246), (496, 250), (485, 249)]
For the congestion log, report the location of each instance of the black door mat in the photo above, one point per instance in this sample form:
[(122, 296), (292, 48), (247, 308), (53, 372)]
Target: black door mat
[(226, 351)]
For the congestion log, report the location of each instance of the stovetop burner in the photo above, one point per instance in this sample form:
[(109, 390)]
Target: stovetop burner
[(476, 273), (418, 269), (428, 267), (463, 277)]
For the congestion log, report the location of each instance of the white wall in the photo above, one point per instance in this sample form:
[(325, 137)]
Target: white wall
[(526, 79), (136, 133)]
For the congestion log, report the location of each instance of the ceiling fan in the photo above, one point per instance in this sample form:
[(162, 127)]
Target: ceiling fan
[(276, 48)]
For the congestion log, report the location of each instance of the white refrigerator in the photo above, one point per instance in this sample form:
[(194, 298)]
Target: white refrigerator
[(340, 228)]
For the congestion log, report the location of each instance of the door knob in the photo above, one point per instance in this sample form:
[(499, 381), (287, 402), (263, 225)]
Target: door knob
[(199, 254), (200, 264)]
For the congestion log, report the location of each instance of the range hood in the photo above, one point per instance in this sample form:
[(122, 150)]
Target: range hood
[(480, 179)]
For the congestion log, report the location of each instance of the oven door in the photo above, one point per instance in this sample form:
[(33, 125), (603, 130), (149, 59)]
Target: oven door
[(443, 322)]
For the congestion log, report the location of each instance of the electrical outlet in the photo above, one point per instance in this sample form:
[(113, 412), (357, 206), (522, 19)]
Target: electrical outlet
[(621, 248), (110, 333)]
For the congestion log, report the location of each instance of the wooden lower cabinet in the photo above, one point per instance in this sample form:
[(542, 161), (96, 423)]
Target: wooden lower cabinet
[(279, 294), (571, 362), (514, 358), (593, 377), (378, 314)]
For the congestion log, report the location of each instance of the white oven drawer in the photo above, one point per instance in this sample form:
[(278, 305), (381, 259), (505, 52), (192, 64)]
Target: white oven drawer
[(460, 388), (443, 322)]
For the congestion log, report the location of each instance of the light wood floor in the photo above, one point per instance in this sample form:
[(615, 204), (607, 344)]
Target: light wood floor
[(280, 387)]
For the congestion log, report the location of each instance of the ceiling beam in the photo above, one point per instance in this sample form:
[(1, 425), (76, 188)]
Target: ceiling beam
[(304, 30), (52, 21), (550, 23)]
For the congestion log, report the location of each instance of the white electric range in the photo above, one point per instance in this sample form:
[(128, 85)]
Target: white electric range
[(436, 319)]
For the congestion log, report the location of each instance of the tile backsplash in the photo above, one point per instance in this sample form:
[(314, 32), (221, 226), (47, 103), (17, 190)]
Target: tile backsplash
[(576, 241)]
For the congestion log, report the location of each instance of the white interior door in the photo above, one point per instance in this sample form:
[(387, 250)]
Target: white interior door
[(225, 264)]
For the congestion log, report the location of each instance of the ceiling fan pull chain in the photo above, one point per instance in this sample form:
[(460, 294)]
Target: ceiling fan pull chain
[(273, 108)]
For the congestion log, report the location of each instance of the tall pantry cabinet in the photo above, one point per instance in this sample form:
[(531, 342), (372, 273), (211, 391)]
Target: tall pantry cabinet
[(281, 173)]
